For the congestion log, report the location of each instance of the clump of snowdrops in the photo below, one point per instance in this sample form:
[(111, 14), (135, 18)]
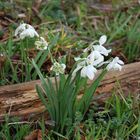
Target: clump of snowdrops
[(29, 42), (61, 97), (27, 31)]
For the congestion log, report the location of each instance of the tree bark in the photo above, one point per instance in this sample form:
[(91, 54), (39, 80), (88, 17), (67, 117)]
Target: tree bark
[(22, 99)]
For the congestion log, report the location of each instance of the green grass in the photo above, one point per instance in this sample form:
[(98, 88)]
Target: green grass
[(117, 119)]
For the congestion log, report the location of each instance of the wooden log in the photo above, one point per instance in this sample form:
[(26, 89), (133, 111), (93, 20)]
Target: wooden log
[(22, 99)]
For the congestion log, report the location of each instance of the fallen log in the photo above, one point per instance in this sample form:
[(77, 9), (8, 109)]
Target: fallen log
[(22, 99)]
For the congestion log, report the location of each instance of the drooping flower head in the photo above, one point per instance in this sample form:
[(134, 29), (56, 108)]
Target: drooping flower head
[(100, 48), (95, 58), (20, 28), (88, 71), (58, 68), (25, 30), (115, 64), (87, 65), (41, 44)]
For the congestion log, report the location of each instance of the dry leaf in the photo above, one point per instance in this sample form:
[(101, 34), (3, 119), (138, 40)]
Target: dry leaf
[(35, 135), (2, 60), (32, 136), (39, 135)]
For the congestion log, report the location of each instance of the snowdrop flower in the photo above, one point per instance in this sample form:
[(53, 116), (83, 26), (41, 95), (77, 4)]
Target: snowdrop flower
[(95, 58), (88, 71), (20, 29), (28, 33), (100, 48), (1, 54), (115, 64), (41, 44), (58, 68), (25, 30), (87, 65)]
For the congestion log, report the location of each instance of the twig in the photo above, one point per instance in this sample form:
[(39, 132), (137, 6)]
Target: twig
[(24, 122)]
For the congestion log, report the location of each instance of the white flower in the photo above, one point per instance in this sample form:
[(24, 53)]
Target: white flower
[(58, 68), (86, 65), (28, 33), (102, 39), (20, 29), (115, 64), (100, 48), (88, 71), (25, 30), (95, 58), (41, 44), (1, 54)]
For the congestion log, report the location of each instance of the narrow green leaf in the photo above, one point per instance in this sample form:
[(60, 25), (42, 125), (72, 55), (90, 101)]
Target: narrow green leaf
[(84, 103)]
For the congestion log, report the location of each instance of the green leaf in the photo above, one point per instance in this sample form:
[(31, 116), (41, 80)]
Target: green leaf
[(44, 100), (118, 107), (84, 102)]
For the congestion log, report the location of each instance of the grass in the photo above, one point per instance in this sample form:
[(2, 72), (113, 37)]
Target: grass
[(118, 119)]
